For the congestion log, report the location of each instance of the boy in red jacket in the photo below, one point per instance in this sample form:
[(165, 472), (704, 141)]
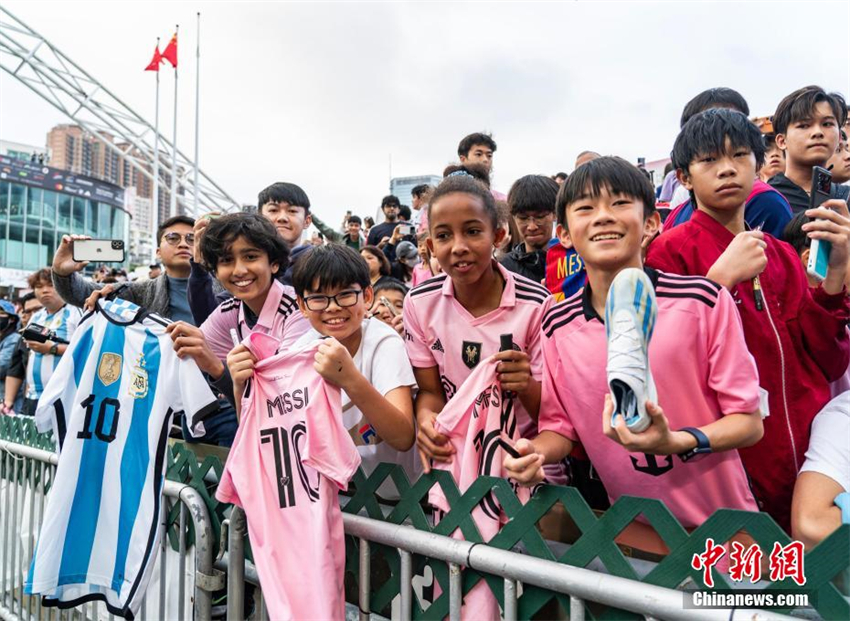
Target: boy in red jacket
[(797, 335)]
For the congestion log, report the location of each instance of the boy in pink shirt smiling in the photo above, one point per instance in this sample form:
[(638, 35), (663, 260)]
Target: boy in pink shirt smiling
[(705, 377)]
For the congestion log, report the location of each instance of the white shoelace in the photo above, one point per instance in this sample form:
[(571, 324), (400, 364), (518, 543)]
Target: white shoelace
[(625, 354)]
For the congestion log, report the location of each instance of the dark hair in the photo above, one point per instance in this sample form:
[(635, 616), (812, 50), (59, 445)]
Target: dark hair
[(154, 266), (720, 97), (467, 185), (610, 172), (39, 277), (218, 239), (329, 267), (282, 192), (477, 171), (769, 141), (465, 145), (169, 223), (369, 220), (419, 190), (390, 200), (706, 134), (378, 254), (354, 220), (668, 168), (561, 175), (404, 212), (801, 104), (794, 234), (390, 284), (533, 193), (26, 298)]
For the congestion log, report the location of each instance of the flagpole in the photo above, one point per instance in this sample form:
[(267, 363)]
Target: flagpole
[(197, 107), (173, 210), (155, 199)]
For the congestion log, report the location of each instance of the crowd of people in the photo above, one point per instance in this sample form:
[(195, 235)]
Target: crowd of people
[(745, 392)]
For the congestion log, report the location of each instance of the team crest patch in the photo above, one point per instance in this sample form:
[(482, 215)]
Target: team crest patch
[(138, 388), (471, 354), (109, 368)]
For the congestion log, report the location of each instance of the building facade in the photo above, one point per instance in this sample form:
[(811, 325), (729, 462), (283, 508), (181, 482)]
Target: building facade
[(401, 186), (39, 204)]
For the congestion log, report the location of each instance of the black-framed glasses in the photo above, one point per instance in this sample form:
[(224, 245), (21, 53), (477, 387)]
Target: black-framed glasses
[(343, 299), (174, 238)]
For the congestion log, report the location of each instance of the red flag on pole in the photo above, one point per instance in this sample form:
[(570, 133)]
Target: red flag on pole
[(155, 61), (170, 51)]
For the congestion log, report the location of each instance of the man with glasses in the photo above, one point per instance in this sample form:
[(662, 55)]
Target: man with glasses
[(532, 203), (164, 295)]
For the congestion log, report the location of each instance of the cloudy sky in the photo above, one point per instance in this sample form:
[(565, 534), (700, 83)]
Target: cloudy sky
[(322, 93)]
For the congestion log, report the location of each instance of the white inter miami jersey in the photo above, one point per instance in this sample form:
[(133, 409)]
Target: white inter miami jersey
[(110, 403)]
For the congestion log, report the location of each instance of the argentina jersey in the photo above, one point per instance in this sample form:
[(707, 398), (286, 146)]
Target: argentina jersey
[(40, 366), (109, 404)]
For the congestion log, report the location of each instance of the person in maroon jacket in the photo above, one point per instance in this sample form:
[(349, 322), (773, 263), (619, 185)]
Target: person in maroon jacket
[(798, 336)]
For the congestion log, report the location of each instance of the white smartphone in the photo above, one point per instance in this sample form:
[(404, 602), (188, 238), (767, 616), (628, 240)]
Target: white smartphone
[(99, 250), (405, 229), (819, 249)]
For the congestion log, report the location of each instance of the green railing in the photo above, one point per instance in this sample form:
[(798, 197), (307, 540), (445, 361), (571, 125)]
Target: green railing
[(825, 565)]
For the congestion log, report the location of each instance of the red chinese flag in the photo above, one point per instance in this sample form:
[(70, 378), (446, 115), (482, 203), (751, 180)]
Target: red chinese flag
[(155, 61), (170, 51)]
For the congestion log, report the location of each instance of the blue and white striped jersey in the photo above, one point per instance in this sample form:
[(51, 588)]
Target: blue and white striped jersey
[(40, 366), (110, 403)]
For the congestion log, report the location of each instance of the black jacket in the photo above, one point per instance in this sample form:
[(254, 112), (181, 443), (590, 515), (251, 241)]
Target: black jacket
[(529, 264)]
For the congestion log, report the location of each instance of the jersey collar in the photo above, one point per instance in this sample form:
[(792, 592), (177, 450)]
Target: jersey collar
[(508, 293), (587, 297), (270, 306)]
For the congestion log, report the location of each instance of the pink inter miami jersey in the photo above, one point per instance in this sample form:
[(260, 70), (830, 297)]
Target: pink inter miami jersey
[(478, 420), (441, 332), (290, 457)]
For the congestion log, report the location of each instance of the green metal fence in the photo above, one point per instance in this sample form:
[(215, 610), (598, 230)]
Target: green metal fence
[(825, 566)]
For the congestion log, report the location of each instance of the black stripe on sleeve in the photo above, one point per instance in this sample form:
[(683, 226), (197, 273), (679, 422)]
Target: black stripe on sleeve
[(692, 296)]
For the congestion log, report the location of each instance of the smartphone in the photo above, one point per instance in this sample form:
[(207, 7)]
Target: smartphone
[(405, 229), (819, 250), (99, 250), (40, 334), (393, 310), (348, 213)]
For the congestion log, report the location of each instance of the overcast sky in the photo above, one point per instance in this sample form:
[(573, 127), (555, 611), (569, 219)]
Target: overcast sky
[(321, 94)]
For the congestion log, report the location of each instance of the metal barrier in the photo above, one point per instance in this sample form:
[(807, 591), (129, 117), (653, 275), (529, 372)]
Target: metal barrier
[(400, 541), (26, 475)]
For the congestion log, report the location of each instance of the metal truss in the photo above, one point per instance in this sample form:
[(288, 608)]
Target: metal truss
[(37, 63)]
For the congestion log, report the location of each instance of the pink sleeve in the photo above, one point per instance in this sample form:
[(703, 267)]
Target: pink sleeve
[(553, 409), (732, 372), (226, 492), (217, 328), (535, 348), (329, 450), (414, 339)]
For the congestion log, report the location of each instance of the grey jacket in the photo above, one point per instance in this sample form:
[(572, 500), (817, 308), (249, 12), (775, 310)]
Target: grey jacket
[(152, 294)]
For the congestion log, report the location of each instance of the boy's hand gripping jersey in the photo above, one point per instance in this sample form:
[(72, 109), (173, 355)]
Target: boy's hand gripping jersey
[(109, 404), (291, 456)]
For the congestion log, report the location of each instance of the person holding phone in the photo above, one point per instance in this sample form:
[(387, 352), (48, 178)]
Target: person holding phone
[(797, 335), (165, 295), (807, 124)]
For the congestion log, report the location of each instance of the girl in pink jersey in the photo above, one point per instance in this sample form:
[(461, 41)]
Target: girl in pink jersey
[(453, 323)]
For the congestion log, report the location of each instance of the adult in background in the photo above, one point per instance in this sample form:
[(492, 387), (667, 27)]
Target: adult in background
[(9, 341), (16, 372), (531, 201), (380, 233), (165, 295), (56, 317)]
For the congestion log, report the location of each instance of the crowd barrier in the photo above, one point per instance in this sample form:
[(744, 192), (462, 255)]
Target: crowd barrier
[(399, 564)]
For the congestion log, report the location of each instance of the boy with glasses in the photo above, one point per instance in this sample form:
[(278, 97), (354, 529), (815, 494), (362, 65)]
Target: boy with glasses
[(164, 295), (531, 200)]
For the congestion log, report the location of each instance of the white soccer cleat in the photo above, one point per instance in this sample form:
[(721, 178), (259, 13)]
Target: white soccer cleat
[(630, 313)]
